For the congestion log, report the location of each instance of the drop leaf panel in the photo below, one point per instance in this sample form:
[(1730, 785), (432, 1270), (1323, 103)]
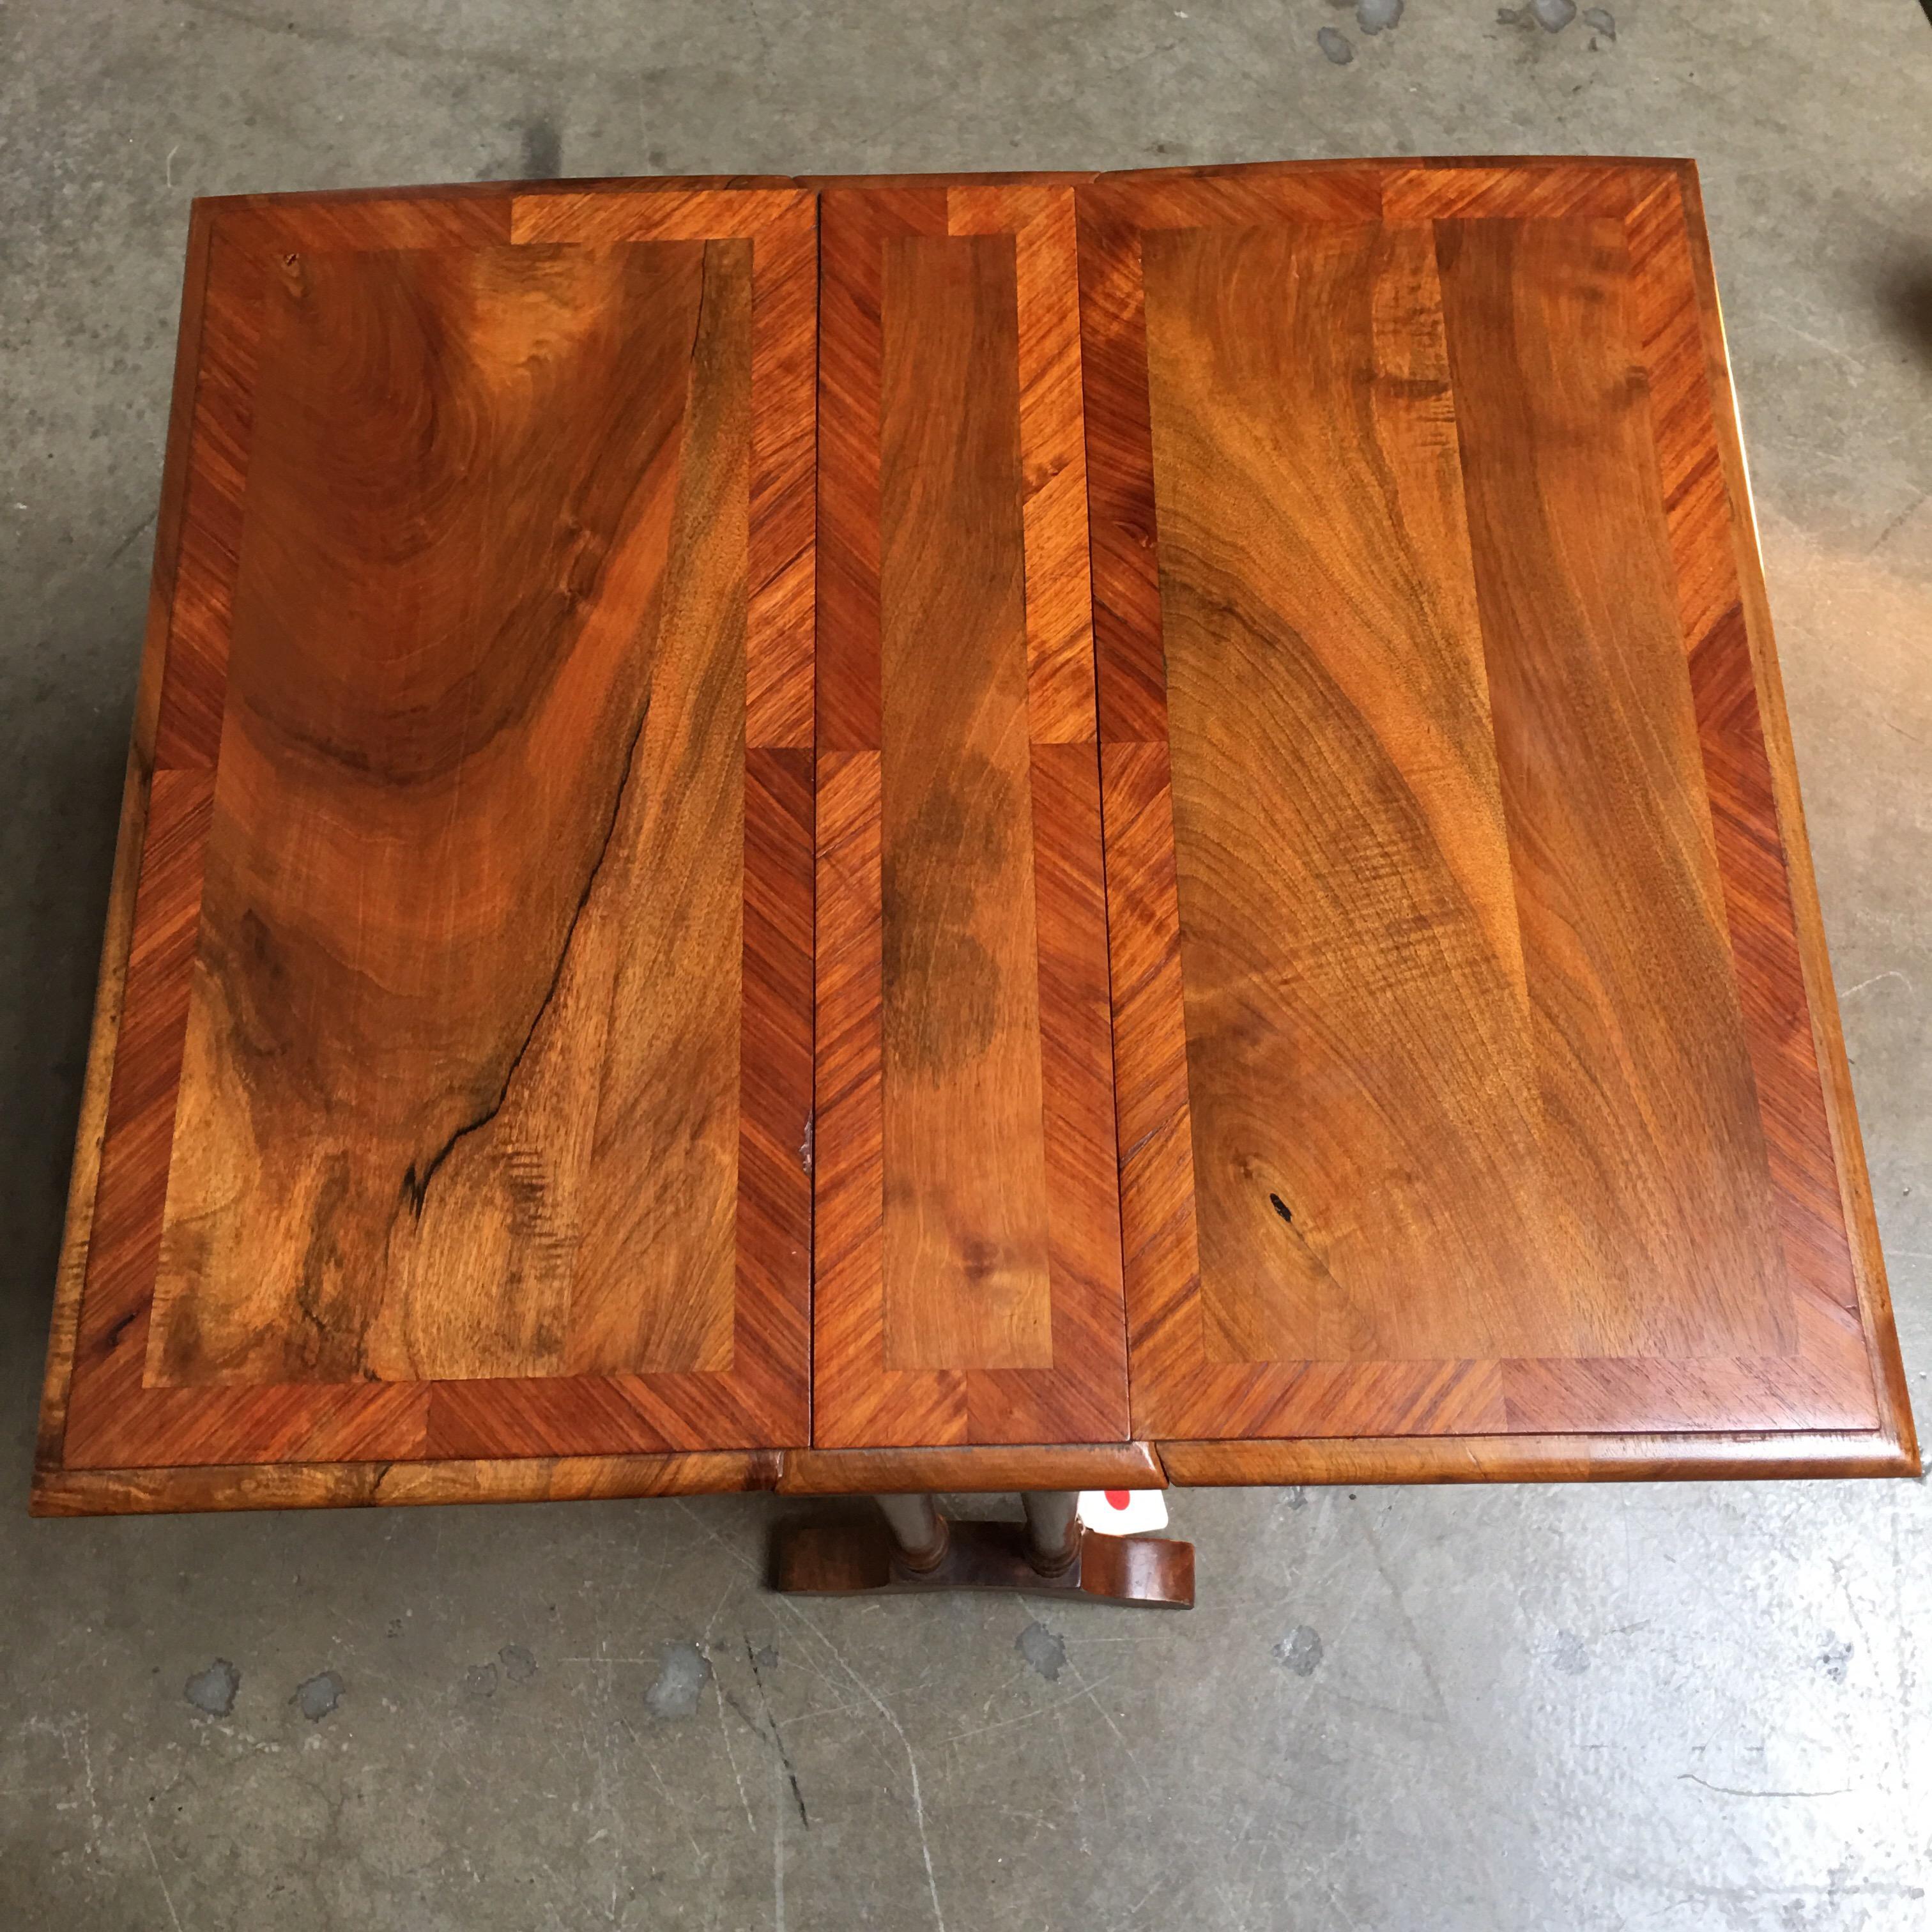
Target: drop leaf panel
[(431, 1134), (1434, 855)]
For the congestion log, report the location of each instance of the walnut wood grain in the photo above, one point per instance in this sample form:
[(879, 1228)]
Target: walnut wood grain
[(967, 1285), (1360, 1072), (363, 1485), (1053, 486), (1429, 809), (394, 932), (964, 1165), (519, 795), (1112, 214), (1658, 1170), (781, 225)]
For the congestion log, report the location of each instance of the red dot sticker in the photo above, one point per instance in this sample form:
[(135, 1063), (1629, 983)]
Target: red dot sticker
[(1122, 1512)]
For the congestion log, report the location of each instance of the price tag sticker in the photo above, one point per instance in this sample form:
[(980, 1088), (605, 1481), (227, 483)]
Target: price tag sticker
[(1122, 1512)]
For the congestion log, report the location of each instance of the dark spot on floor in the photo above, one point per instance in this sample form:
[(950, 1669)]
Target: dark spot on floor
[(519, 1665), (1301, 1650), (479, 1681), (212, 1691), (1373, 16), (316, 1696), (542, 146), (1335, 45), (1906, 298), (680, 1681), (1296, 1498), (1569, 1653), (1045, 1650), (1601, 20), (1834, 1657), (1552, 16), (766, 1658)]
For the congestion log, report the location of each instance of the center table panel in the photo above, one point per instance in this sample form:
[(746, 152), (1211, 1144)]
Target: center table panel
[(472, 941), (967, 1234)]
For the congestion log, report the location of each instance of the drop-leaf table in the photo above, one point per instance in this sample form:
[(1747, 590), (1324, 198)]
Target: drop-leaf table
[(928, 834)]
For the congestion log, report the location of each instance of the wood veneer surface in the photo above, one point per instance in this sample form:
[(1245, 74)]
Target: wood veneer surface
[(1306, 615), (457, 1101), (966, 1246), (1468, 1070)]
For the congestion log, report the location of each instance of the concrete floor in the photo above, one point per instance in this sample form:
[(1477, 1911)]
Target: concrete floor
[(1411, 1710)]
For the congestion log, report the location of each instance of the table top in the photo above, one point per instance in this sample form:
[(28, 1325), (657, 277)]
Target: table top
[(966, 832)]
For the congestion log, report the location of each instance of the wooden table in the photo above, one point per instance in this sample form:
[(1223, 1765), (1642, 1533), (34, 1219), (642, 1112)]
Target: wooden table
[(935, 834)]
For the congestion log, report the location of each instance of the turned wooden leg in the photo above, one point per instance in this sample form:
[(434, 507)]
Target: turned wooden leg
[(909, 1546), (918, 1529), (1053, 1530)]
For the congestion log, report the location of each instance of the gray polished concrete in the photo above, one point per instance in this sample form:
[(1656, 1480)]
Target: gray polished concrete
[(1699, 1709)]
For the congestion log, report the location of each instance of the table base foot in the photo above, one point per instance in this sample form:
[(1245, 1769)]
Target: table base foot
[(860, 1558)]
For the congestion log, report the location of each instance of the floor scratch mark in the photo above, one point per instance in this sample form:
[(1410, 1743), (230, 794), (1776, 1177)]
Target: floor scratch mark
[(159, 1880), (725, 1731), (1740, 1791), (1890, 972), (905, 1744)]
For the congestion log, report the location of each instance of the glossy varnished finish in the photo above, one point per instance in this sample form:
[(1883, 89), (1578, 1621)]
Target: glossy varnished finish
[(1528, 1457), (1474, 1071), (527, 1479), (488, 632), (1819, 1152), (1465, 1056), (967, 1285), (434, 1021), (116, 940)]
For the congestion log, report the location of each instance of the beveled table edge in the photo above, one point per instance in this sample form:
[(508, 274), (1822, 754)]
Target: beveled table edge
[(976, 1469)]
